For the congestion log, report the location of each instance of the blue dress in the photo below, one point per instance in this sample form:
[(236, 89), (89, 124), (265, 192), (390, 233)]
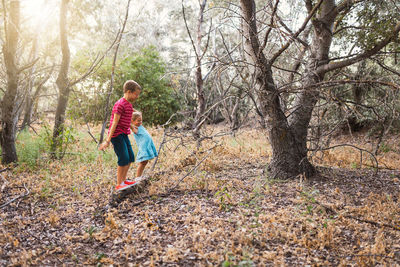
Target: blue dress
[(145, 144)]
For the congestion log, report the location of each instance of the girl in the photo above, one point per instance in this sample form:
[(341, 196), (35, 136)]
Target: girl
[(146, 148)]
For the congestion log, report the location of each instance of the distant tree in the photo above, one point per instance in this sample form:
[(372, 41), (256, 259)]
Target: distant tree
[(11, 99), (65, 83), (107, 110), (62, 79)]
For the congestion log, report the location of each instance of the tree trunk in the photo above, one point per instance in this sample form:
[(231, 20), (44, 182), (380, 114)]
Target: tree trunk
[(62, 80), (288, 137), (289, 158), (201, 102), (9, 106), (29, 94)]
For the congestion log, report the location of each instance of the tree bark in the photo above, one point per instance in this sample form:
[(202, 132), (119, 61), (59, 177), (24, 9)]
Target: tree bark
[(29, 95), (289, 159), (288, 137), (62, 80), (201, 102), (9, 105)]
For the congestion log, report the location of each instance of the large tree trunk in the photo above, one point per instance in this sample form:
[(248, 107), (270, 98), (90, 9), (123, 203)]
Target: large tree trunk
[(288, 137), (62, 80), (9, 105), (288, 156)]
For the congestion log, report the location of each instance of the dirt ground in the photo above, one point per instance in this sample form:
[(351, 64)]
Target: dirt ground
[(226, 213)]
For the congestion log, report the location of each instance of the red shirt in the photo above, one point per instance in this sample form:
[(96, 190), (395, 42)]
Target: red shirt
[(124, 108)]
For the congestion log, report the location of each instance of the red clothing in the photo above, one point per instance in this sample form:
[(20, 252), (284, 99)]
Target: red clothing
[(124, 108)]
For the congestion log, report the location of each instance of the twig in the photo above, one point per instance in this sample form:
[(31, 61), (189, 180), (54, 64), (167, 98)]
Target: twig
[(353, 146), (192, 170), (353, 217), (12, 200), (5, 169), (370, 255), (90, 133), (159, 150), (373, 222)]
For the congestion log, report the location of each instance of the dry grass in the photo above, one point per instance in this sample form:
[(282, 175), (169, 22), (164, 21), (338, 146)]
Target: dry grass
[(224, 213)]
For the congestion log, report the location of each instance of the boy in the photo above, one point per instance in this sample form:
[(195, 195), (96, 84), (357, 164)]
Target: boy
[(120, 123)]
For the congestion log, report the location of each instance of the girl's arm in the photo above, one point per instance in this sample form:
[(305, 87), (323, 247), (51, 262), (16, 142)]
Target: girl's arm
[(134, 128), (114, 124)]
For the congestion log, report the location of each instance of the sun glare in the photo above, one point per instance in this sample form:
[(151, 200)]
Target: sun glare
[(39, 13)]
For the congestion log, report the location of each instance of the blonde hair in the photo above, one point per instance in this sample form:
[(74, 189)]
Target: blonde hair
[(136, 114)]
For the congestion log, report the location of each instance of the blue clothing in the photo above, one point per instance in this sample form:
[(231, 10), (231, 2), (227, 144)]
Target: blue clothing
[(123, 149), (146, 147)]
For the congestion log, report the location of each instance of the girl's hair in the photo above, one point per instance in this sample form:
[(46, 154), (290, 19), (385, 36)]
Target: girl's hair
[(136, 114)]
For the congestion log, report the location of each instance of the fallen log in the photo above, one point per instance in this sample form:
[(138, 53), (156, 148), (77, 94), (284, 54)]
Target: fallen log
[(118, 196)]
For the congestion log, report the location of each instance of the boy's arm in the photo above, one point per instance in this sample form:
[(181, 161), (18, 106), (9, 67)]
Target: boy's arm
[(114, 124)]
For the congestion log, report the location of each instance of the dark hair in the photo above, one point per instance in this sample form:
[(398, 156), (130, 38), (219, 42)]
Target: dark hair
[(132, 86)]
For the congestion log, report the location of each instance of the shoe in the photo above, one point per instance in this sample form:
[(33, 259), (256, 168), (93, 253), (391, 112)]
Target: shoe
[(129, 182), (122, 187)]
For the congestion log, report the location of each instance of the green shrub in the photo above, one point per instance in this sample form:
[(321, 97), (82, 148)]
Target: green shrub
[(30, 148), (157, 101)]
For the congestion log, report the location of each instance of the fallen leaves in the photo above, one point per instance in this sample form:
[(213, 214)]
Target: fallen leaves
[(224, 212)]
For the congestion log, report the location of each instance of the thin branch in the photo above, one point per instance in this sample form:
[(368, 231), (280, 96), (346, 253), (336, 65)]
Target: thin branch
[(193, 169), (296, 34), (27, 66), (159, 150), (5, 169), (27, 192), (188, 31), (353, 146), (387, 67), (336, 82), (331, 210), (274, 10)]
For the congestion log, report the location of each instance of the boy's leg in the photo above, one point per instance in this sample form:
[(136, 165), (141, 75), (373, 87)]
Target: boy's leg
[(141, 167), (124, 152), (125, 174), (131, 155), (122, 171)]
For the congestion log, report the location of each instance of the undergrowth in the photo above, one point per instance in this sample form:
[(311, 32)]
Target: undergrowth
[(223, 212)]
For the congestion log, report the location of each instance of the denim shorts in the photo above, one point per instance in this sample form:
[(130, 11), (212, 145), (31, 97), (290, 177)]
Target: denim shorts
[(123, 149)]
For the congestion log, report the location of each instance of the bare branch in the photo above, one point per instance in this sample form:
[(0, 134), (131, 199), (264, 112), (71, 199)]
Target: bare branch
[(188, 31), (27, 192), (366, 54), (27, 66), (387, 67), (296, 34), (275, 8)]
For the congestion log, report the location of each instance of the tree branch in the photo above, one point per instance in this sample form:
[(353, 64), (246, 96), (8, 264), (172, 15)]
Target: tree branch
[(296, 34), (275, 8), (188, 31), (366, 54), (27, 66), (27, 192)]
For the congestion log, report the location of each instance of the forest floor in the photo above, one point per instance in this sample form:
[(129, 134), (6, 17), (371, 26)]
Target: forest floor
[(222, 212)]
